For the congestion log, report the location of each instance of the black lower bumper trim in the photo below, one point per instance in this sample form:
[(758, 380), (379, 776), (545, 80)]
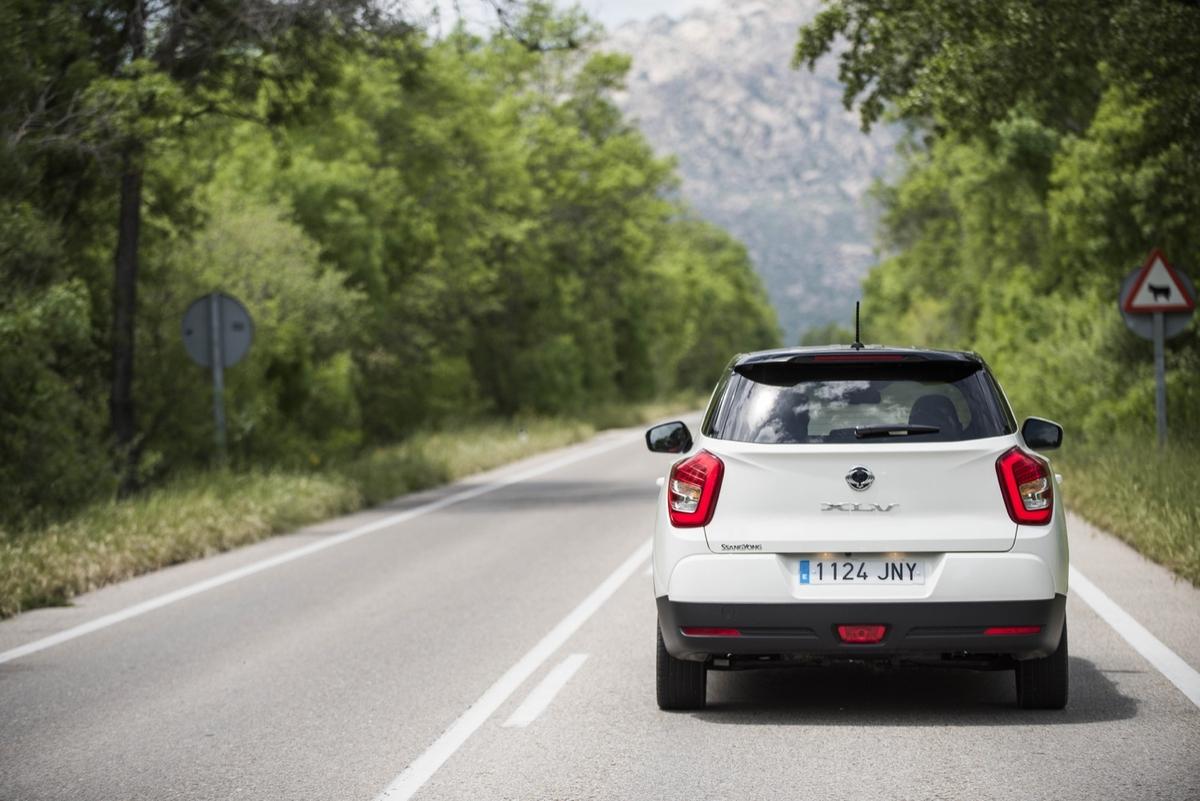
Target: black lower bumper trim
[(913, 629)]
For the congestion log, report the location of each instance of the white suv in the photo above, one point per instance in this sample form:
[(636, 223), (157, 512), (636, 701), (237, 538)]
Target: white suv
[(860, 503)]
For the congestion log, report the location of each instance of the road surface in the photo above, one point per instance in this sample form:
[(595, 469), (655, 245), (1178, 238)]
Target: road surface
[(495, 640)]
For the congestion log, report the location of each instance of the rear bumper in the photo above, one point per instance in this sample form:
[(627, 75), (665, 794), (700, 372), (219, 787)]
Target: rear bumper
[(770, 578), (917, 630)]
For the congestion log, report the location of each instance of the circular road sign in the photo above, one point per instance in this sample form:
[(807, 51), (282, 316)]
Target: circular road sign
[(234, 325)]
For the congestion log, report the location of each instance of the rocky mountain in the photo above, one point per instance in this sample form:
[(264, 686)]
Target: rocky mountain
[(766, 151)]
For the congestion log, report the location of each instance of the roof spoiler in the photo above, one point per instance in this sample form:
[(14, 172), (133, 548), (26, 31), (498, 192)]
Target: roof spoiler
[(858, 366)]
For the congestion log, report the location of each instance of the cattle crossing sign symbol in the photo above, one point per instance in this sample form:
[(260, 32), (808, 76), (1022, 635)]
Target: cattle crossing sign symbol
[(1157, 287), (1157, 302)]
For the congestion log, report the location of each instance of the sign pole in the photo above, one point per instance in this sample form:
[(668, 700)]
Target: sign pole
[(1160, 379), (1157, 302), (217, 332), (218, 372)]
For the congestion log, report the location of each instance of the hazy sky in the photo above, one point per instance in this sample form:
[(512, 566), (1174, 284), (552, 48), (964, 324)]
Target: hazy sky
[(610, 12), (614, 12)]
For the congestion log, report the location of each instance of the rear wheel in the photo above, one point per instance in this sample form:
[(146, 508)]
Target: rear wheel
[(681, 684), (1042, 683)]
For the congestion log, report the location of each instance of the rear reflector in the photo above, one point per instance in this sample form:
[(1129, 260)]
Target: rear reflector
[(1011, 631), (706, 631), (862, 634)]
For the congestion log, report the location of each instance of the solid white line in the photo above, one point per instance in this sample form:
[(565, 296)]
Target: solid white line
[(305, 550), (423, 767), (542, 695), (1166, 661)]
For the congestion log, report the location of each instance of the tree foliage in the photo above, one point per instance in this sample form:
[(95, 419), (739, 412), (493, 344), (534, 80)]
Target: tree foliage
[(1051, 146), (424, 230)]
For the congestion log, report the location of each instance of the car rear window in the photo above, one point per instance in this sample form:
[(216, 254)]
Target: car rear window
[(788, 403)]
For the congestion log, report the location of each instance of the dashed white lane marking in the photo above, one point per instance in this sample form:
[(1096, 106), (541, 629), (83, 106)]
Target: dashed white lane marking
[(543, 695), (1166, 661), (423, 767), (306, 550)]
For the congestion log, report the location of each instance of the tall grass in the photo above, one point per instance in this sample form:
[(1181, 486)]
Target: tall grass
[(191, 517), (1146, 496), (204, 513), (432, 458)]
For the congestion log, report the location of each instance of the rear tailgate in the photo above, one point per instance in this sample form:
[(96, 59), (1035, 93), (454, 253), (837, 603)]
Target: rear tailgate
[(926, 497)]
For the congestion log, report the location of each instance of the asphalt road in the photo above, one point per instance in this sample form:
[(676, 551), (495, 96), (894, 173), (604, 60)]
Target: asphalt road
[(395, 657)]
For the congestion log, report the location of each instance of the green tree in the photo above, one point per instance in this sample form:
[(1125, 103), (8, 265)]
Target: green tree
[(423, 230), (1052, 145), (112, 83)]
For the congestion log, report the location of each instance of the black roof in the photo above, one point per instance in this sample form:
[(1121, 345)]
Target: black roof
[(867, 354)]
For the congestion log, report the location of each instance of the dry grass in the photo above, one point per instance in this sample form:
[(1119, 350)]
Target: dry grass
[(190, 518), (202, 514), (429, 459)]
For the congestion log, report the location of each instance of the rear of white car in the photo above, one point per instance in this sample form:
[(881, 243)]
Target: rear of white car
[(862, 504)]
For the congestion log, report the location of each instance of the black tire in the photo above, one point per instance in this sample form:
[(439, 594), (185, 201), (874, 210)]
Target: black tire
[(1042, 683), (681, 684)]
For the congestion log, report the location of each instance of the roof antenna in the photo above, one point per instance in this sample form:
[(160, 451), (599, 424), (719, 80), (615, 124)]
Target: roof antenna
[(858, 345)]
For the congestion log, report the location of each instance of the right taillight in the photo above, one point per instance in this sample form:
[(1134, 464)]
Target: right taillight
[(692, 490), (1026, 486)]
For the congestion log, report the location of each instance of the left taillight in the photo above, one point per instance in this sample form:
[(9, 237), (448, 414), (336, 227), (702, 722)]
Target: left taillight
[(692, 490), (1027, 487)]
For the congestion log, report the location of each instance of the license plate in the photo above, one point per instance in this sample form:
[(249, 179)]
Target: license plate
[(862, 571)]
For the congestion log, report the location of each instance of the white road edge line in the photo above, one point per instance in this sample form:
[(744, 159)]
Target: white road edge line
[(543, 695), (405, 786), (305, 550), (1166, 661)]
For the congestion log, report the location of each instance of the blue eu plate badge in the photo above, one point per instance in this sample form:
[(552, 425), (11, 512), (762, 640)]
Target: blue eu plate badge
[(804, 576)]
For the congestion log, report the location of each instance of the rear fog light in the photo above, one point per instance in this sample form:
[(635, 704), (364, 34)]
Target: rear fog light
[(862, 634)]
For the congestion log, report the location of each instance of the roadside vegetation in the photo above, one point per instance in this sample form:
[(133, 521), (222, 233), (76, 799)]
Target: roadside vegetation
[(1050, 146), (197, 514), (425, 230), (431, 234), (1146, 497)]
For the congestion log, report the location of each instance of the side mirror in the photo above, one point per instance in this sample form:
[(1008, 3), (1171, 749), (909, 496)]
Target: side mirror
[(1041, 435), (672, 437)]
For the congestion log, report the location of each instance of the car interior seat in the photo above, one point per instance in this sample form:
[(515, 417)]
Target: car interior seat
[(936, 410)]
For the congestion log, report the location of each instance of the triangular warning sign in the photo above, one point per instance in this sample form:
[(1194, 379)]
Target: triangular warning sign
[(1158, 288)]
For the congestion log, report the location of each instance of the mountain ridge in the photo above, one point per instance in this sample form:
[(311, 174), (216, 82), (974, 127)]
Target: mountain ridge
[(766, 151)]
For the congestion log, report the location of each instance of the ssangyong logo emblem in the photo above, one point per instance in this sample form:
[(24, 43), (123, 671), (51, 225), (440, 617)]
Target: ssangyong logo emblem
[(859, 478)]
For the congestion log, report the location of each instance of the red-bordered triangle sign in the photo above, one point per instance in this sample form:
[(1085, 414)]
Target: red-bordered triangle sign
[(1158, 288)]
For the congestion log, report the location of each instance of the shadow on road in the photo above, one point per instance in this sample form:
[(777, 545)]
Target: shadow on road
[(856, 696)]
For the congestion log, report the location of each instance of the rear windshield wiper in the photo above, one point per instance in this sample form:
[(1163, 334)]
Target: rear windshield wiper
[(863, 432)]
